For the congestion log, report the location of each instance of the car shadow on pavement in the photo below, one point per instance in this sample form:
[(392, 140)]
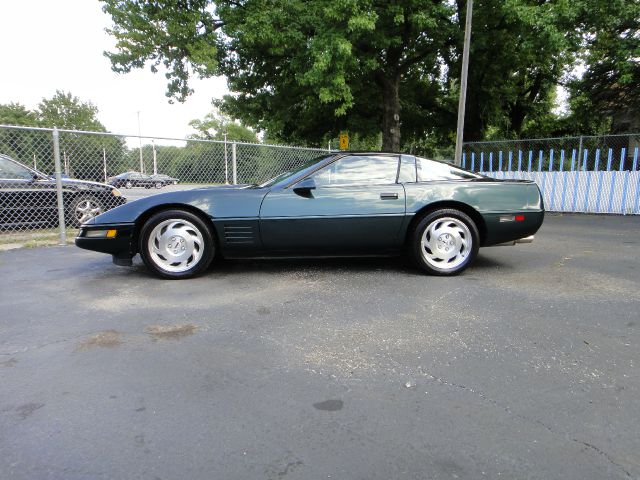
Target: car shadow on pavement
[(400, 265), (229, 267)]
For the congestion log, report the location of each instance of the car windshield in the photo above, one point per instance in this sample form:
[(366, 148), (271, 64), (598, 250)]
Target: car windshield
[(15, 171), (292, 172)]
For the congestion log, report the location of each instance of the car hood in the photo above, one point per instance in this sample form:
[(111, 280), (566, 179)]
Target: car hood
[(227, 187), (223, 201), (72, 182)]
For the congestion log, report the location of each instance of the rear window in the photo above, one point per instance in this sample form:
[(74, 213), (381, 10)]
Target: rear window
[(430, 170)]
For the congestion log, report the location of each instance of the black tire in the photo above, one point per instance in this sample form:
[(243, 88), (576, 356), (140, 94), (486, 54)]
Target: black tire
[(158, 184), (82, 209), (157, 265), (128, 185), (449, 221)]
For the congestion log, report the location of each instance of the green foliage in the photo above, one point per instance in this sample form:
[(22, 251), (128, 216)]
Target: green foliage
[(302, 71), (520, 49), (83, 153), (17, 114), (66, 111), (19, 144), (311, 69), (215, 126), (606, 98), (180, 35)]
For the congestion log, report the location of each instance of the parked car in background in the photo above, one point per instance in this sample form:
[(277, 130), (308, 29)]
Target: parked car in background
[(28, 198), (165, 179), (345, 203), (134, 179)]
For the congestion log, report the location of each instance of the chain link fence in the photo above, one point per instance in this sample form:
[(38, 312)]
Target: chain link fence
[(52, 180), (588, 174)]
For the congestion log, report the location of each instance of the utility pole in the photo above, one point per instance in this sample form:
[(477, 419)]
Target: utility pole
[(463, 83)]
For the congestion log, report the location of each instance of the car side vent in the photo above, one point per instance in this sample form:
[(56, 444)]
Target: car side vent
[(239, 234)]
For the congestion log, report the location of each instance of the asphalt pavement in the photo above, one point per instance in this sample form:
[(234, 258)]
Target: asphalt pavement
[(526, 366)]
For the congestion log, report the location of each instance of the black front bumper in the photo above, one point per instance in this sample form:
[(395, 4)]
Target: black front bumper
[(122, 246)]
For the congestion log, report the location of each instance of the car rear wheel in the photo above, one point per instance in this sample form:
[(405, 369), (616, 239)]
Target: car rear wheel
[(445, 242), (158, 184), (128, 185), (83, 209), (176, 244)]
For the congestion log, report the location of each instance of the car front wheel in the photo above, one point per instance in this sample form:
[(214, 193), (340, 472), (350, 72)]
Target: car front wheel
[(128, 185), (83, 209), (445, 242), (176, 244)]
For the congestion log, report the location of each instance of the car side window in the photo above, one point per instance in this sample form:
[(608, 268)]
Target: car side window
[(430, 170), (359, 170), (407, 172), (13, 171)]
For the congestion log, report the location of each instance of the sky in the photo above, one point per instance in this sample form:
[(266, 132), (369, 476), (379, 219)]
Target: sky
[(58, 45)]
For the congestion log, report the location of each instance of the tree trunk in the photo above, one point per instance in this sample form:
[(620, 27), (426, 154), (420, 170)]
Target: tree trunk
[(391, 114), (517, 114)]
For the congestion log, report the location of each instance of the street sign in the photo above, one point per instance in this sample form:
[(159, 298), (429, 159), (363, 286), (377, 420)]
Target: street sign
[(344, 141)]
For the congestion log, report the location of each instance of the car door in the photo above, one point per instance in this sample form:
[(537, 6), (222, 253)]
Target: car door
[(353, 203), (25, 199)]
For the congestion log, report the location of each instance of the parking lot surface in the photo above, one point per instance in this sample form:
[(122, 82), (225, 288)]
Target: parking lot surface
[(525, 366)]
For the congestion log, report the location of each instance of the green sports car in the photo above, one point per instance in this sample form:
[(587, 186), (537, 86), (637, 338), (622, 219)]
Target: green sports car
[(345, 203)]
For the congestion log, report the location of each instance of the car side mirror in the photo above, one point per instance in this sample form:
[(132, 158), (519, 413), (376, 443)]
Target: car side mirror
[(304, 187)]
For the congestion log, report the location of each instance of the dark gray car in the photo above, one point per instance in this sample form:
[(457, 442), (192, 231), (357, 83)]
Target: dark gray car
[(28, 197)]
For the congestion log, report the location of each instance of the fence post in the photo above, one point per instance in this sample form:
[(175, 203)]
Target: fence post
[(226, 162), (104, 164), (155, 157), (580, 150), (234, 163), (56, 158)]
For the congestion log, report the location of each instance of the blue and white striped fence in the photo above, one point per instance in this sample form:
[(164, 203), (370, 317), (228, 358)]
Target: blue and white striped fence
[(598, 182)]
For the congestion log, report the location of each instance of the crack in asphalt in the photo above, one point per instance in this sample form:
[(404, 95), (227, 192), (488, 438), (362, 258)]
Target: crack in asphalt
[(497, 404)]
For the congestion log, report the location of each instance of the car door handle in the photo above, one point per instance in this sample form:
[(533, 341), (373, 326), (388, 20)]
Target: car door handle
[(388, 196)]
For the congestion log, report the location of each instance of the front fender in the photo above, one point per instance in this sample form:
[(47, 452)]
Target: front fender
[(214, 202)]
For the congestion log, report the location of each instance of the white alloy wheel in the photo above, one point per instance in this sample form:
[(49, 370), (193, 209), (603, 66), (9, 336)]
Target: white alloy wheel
[(176, 245), (446, 243)]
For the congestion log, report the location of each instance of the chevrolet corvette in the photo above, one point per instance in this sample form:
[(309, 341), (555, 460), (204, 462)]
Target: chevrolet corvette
[(340, 204)]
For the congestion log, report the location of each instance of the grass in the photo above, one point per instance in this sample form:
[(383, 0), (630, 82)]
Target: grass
[(32, 238)]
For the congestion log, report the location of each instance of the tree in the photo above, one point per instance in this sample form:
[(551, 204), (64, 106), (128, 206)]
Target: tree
[(215, 126), (82, 152), (519, 52), (607, 95), (304, 70), (17, 114), (283, 54), (64, 110), (19, 144)]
